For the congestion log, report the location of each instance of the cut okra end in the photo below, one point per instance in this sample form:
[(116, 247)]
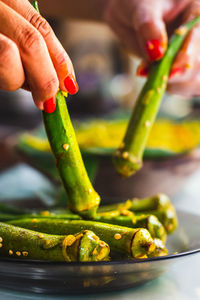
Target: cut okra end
[(92, 248), (160, 249), (142, 244), (125, 163), (84, 247), (156, 228)]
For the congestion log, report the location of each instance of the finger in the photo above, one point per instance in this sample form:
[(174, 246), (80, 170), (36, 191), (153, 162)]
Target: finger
[(186, 57), (151, 31), (11, 69), (40, 72), (143, 69), (60, 59), (185, 89), (188, 84)]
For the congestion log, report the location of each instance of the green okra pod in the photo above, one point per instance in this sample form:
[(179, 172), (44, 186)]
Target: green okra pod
[(149, 222), (16, 242), (82, 198), (158, 205), (128, 157), (152, 213), (124, 242), (160, 249)]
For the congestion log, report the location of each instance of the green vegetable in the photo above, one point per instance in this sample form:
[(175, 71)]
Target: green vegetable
[(128, 157), (81, 195), (150, 222), (35, 5), (26, 244), (158, 205), (124, 242), (160, 249), (121, 217), (67, 216)]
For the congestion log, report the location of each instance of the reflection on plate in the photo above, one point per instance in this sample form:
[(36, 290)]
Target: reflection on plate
[(79, 278)]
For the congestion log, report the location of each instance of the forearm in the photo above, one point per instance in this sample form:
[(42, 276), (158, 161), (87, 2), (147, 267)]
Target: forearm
[(91, 10)]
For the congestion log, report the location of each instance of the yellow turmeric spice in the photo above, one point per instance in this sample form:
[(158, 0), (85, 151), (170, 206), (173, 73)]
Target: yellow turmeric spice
[(167, 135)]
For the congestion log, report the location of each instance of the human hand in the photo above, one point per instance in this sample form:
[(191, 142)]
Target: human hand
[(144, 27), (31, 56)]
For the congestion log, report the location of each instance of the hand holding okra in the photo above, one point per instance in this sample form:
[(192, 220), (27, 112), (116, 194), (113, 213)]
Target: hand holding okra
[(133, 229)]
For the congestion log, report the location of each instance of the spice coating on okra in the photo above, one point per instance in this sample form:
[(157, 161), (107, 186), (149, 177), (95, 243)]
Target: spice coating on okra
[(132, 243), (158, 205), (28, 244)]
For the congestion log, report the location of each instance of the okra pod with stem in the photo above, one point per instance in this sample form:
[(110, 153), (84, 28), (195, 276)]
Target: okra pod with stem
[(82, 198), (16, 242), (149, 222), (128, 157), (43, 215), (160, 249), (124, 242), (158, 205)]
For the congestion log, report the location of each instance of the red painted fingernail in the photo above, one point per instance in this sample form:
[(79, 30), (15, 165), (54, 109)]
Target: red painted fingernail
[(143, 71), (50, 105), (71, 84), (176, 71), (154, 49)]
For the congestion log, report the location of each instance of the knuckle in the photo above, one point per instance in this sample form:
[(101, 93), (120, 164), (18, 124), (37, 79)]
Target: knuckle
[(51, 85), (6, 51), (60, 58), (30, 40), (40, 24)]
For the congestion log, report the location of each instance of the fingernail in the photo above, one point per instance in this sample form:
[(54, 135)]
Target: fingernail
[(176, 71), (142, 71), (71, 84), (50, 105), (154, 49)]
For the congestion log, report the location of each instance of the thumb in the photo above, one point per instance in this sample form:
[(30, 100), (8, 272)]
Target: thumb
[(150, 27)]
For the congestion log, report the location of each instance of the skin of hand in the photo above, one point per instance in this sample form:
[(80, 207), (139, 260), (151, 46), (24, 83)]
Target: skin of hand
[(144, 28), (31, 56)]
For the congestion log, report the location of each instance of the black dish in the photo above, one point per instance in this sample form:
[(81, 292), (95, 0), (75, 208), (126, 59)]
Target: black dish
[(82, 278)]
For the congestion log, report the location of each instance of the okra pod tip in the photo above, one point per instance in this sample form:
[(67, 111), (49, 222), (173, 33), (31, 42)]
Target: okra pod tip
[(125, 163)]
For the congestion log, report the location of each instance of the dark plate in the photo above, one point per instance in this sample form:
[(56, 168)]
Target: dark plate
[(79, 278)]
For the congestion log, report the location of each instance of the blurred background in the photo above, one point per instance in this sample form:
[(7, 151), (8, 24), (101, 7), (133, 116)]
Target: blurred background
[(109, 87)]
